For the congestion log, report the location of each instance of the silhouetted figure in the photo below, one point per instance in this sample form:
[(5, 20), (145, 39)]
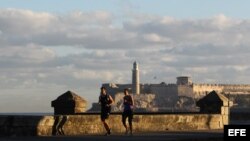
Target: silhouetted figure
[(58, 125), (128, 104), (105, 101)]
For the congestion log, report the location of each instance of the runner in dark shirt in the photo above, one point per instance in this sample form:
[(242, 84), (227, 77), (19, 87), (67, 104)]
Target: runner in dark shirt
[(128, 104), (105, 101)]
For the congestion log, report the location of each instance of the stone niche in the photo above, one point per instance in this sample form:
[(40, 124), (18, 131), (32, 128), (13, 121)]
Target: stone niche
[(214, 103), (69, 103)]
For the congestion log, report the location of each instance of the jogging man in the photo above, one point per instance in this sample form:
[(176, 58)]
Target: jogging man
[(105, 101), (128, 104)]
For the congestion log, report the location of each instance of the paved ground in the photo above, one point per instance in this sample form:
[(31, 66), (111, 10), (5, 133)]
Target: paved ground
[(215, 135)]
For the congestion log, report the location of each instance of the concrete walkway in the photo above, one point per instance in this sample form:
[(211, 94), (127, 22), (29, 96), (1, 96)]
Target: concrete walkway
[(215, 135)]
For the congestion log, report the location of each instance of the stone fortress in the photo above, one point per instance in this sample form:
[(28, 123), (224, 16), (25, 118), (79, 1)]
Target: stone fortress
[(71, 119), (168, 97)]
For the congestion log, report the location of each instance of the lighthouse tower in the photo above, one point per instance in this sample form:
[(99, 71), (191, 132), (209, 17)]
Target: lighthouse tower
[(135, 79)]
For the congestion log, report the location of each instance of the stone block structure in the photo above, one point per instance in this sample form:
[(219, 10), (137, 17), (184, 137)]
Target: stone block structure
[(213, 103), (69, 103)]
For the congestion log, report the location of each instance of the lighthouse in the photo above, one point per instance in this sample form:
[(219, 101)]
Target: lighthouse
[(135, 79)]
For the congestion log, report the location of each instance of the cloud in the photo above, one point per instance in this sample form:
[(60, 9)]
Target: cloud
[(29, 53), (102, 48), (23, 24)]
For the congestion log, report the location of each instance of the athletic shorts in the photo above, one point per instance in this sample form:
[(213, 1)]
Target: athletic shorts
[(127, 114), (105, 112)]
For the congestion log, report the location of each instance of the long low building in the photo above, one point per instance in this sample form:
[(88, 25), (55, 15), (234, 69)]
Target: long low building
[(167, 95)]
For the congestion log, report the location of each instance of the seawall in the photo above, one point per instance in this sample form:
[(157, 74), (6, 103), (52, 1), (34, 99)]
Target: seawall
[(89, 123)]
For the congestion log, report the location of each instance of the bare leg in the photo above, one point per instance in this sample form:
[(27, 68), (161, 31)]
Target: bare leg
[(130, 124), (126, 132), (124, 124), (131, 127), (106, 126)]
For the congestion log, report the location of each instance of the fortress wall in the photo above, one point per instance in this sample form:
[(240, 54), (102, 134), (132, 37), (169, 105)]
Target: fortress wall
[(201, 90), (87, 124), (165, 96), (164, 90), (185, 90), (145, 88), (237, 89), (149, 88)]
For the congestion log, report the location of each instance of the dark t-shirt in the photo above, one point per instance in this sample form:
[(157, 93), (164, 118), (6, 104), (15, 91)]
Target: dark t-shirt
[(105, 101), (128, 104)]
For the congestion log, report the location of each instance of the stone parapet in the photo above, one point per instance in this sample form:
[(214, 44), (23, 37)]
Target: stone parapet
[(89, 123), (69, 103)]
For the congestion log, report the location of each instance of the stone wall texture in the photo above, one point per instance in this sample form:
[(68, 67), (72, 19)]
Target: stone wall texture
[(86, 124)]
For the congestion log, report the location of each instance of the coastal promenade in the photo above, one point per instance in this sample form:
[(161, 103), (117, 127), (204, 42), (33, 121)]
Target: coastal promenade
[(208, 135)]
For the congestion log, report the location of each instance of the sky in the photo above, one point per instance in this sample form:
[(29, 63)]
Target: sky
[(50, 47)]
